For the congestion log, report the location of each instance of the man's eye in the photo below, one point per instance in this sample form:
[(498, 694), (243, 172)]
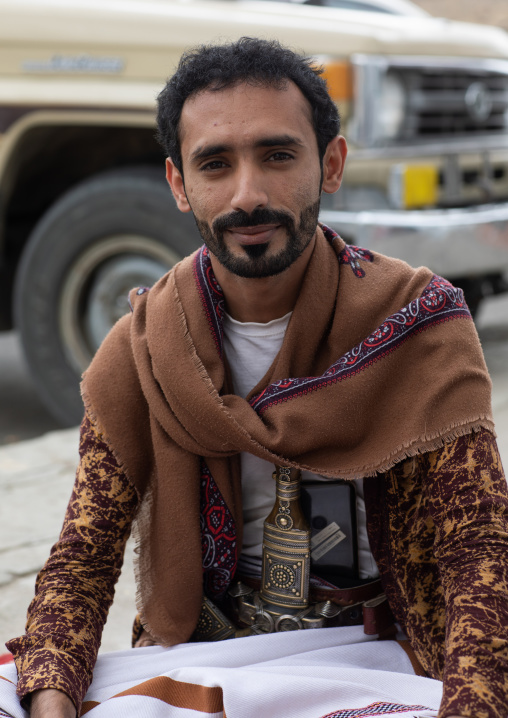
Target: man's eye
[(213, 165), (280, 156)]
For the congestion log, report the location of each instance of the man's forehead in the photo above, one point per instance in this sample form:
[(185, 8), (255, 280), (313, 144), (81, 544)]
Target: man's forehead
[(246, 103)]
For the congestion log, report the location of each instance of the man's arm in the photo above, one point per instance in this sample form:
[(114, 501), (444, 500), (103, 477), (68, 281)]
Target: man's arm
[(50, 703), (75, 588), (438, 528), (469, 506)]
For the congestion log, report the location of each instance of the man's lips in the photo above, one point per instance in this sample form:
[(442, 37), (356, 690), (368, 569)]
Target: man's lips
[(258, 234)]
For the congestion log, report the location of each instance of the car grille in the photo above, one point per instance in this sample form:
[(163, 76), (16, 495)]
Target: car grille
[(445, 98), (454, 101)]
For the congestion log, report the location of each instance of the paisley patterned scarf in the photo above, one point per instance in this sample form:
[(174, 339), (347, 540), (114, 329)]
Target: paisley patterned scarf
[(379, 362)]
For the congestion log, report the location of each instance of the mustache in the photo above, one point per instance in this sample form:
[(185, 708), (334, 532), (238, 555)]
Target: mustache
[(241, 218)]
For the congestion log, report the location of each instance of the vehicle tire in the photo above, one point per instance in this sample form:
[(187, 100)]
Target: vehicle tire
[(473, 292), (118, 230)]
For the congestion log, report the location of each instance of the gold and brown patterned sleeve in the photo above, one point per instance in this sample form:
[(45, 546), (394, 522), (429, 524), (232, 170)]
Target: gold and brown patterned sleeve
[(468, 501), (75, 588)]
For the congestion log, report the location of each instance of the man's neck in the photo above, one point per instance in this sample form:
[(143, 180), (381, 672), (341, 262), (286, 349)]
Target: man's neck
[(265, 299)]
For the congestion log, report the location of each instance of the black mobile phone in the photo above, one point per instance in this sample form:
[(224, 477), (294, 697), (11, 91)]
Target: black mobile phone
[(330, 509)]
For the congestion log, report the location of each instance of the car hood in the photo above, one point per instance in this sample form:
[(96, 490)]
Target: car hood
[(156, 25)]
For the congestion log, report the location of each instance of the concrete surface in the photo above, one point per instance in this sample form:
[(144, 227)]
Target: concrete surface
[(36, 478), (22, 413)]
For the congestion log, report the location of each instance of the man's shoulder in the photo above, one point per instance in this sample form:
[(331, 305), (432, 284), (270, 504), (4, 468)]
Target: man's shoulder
[(163, 294), (387, 284), (377, 277)]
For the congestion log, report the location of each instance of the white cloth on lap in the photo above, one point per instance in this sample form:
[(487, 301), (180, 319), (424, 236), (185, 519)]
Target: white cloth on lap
[(332, 672)]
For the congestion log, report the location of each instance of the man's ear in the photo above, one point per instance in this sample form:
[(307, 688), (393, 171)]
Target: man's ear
[(175, 180), (333, 164)]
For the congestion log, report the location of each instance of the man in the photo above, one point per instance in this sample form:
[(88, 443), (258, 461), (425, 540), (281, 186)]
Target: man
[(278, 344)]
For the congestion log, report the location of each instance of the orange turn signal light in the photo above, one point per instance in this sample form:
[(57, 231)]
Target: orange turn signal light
[(339, 78)]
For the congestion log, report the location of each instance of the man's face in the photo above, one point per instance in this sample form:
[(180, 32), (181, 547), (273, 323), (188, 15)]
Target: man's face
[(252, 175)]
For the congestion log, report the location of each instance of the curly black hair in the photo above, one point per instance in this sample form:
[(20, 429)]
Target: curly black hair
[(252, 60)]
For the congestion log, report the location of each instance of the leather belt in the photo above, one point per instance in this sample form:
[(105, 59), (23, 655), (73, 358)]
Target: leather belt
[(247, 614), (364, 605)]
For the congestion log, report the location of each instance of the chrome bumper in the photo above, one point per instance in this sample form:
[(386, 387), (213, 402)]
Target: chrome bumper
[(452, 242)]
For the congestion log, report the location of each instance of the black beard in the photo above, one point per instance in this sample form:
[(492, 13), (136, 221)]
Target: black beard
[(256, 265)]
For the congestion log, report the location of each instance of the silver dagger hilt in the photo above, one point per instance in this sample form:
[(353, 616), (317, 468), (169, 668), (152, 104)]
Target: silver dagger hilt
[(286, 546)]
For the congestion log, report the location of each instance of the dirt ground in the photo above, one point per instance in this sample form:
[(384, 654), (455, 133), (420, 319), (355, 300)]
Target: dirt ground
[(488, 12)]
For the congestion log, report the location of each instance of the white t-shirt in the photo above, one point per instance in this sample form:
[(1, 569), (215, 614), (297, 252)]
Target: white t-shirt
[(250, 348)]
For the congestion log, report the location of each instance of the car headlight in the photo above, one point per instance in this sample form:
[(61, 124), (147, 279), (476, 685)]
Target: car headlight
[(391, 108)]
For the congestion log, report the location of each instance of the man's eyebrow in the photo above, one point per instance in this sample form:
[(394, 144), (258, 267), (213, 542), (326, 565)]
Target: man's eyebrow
[(204, 152), (278, 141)]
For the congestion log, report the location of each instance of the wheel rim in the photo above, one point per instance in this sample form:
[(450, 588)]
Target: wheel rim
[(95, 289)]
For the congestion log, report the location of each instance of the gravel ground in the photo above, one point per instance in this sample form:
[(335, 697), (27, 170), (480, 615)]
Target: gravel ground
[(486, 12)]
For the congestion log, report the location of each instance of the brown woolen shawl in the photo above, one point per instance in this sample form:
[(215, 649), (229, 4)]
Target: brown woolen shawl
[(158, 390)]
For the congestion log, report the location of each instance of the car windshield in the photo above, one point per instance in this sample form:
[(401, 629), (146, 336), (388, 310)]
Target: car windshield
[(349, 5), (389, 7)]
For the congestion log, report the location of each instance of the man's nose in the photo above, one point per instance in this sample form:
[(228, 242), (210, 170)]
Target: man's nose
[(250, 190)]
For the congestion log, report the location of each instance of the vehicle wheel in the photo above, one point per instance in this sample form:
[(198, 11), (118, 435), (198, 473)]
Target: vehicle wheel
[(113, 232), (473, 293)]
